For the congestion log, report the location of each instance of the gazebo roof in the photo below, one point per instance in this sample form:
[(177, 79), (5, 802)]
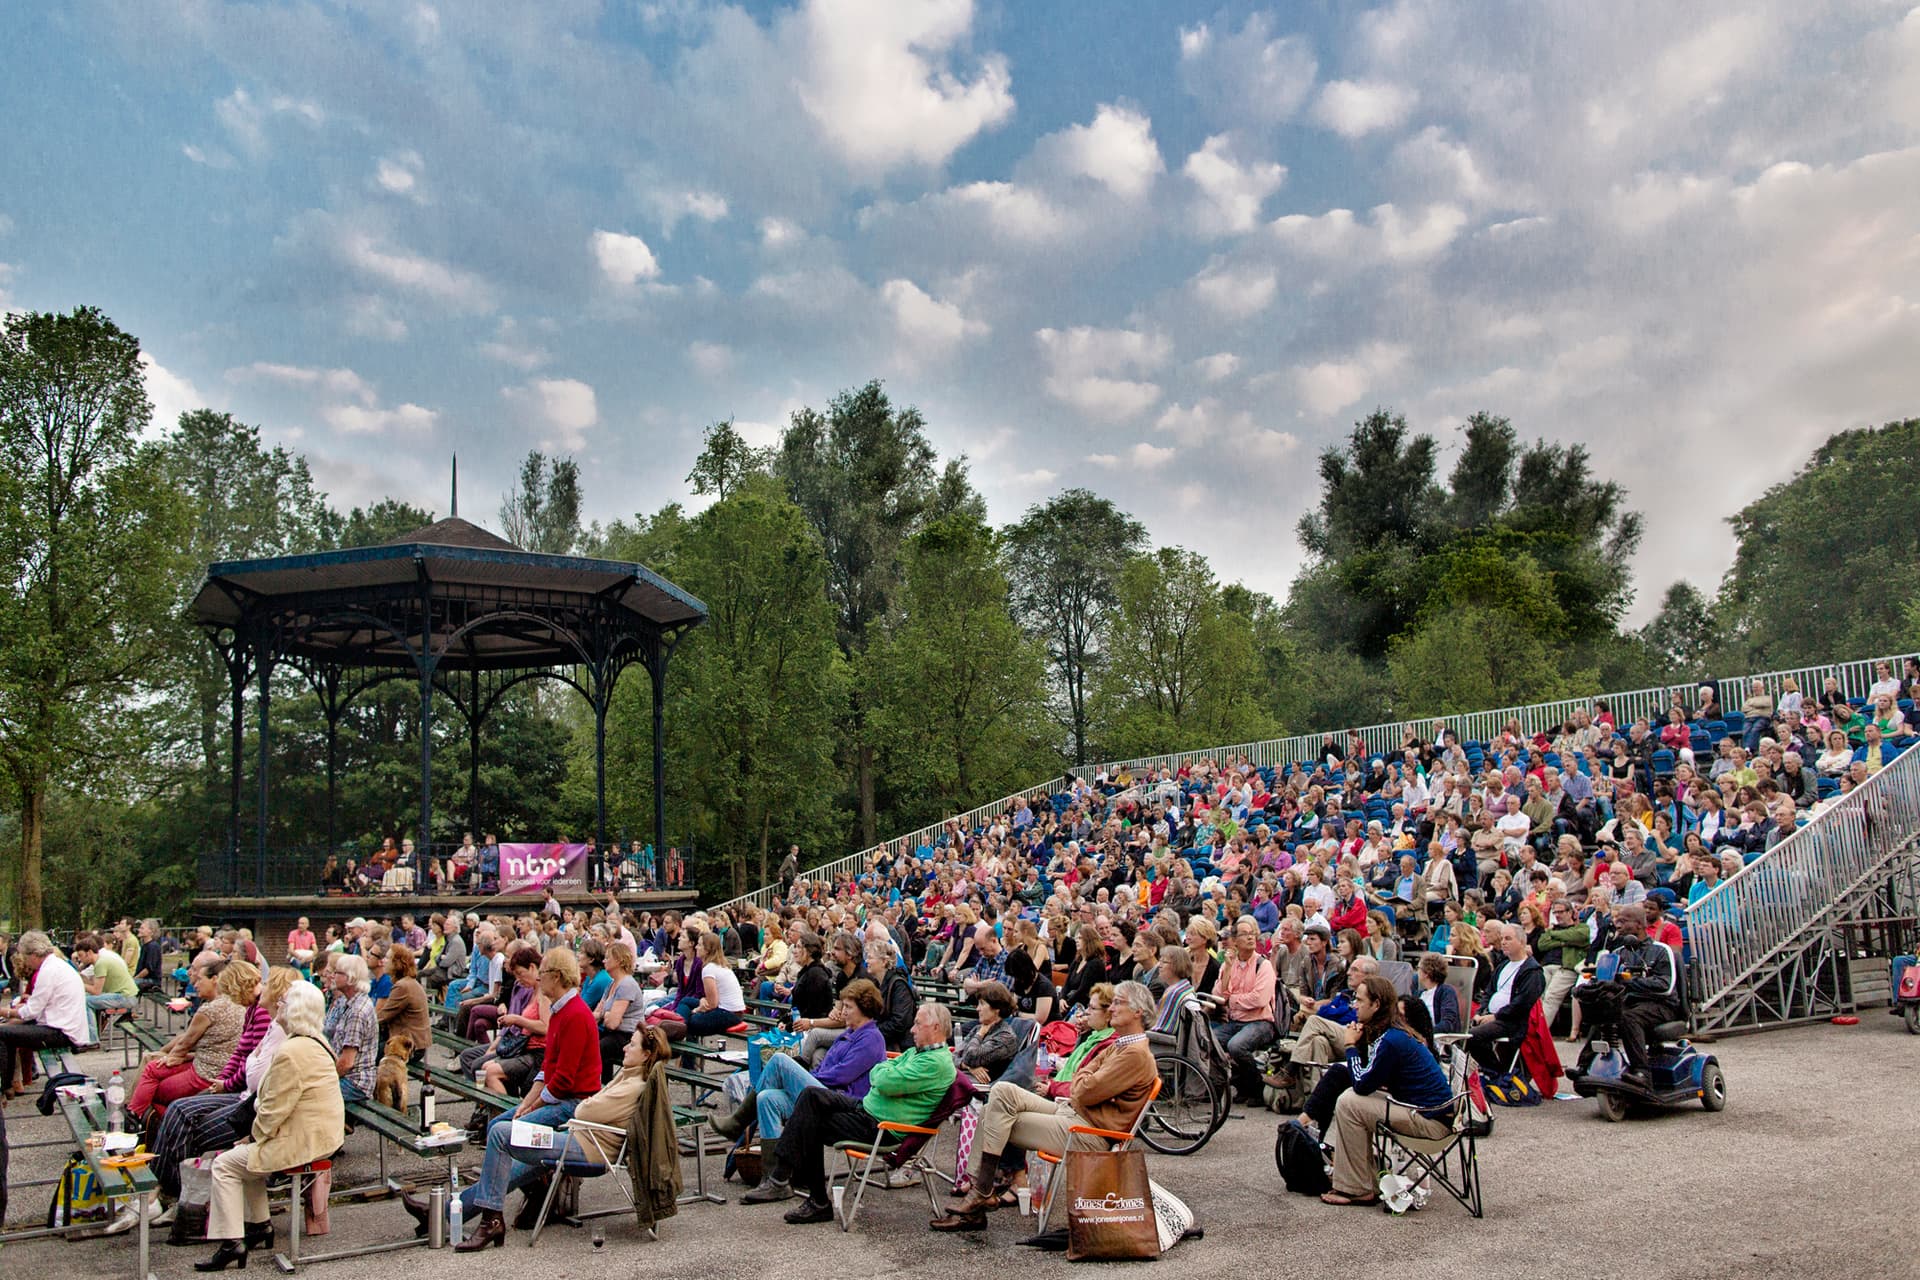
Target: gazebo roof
[(469, 572)]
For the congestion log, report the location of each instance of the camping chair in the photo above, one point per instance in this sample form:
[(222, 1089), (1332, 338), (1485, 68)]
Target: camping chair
[(1452, 1160), (902, 1146), (1115, 1140), (1461, 971), (610, 1140)]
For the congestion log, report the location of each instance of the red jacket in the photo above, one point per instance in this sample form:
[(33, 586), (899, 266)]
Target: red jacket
[(1351, 916), (572, 1061)]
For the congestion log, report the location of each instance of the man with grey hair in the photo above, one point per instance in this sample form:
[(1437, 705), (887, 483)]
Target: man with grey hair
[(1323, 1039), (54, 1016), (1110, 1087)]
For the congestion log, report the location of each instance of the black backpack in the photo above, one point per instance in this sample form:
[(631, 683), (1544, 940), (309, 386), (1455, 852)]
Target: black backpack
[(1302, 1165)]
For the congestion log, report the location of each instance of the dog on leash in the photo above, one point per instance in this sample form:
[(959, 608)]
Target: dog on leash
[(390, 1081)]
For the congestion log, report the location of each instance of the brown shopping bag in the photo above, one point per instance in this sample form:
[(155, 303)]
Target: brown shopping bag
[(1109, 1206), (319, 1192)]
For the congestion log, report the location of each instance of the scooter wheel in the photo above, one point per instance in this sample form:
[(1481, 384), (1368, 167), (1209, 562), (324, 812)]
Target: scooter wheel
[(1613, 1106), (1713, 1087)]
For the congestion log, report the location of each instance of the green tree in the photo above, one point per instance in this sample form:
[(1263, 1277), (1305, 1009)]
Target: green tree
[(1475, 658), (956, 692), (725, 461), (90, 532), (1682, 634), (863, 475), (1064, 559), (543, 512), (382, 522), (1824, 560)]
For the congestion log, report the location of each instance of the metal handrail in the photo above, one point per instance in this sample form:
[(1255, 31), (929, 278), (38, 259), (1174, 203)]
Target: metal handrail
[(1853, 675), (1795, 888)]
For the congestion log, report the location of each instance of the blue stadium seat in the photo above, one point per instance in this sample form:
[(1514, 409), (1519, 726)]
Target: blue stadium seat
[(1716, 730), (1736, 722), (1858, 704), (1663, 763)]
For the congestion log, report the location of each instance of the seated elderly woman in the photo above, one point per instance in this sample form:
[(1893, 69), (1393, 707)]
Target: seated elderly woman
[(1107, 1092), (193, 1061), (843, 1069), (298, 1117), (990, 1048), (528, 1169), (215, 1120)]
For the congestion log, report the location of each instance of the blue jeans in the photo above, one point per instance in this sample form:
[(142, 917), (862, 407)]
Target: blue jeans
[(782, 1081), (351, 1092), (506, 1168)]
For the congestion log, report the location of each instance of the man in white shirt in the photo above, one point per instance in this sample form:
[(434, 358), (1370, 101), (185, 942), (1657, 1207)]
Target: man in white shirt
[(54, 1016)]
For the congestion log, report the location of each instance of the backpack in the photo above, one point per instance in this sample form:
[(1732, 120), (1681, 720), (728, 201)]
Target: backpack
[(1513, 1090), (1303, 1167)]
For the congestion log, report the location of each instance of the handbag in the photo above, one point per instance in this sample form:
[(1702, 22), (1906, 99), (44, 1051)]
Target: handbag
[(1110, 1207), (511, 1043)]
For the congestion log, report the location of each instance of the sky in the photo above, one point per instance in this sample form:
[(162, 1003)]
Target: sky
[(1168, 252)]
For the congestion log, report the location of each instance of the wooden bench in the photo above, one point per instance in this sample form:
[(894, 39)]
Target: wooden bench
[(149, 1039), (403, 1131), (135, 1184)]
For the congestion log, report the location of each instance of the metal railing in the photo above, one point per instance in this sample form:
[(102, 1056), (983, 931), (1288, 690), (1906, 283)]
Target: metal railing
[(1802, 885), (1854, 678)]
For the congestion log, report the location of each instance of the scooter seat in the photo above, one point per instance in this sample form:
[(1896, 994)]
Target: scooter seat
[(1669, 1032)]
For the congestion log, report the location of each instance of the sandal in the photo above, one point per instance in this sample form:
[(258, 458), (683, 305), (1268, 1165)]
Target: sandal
[(1335, 1197), (1008, 1200)]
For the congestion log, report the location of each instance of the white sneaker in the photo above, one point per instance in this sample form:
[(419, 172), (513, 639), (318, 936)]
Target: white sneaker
[(899, 1179)]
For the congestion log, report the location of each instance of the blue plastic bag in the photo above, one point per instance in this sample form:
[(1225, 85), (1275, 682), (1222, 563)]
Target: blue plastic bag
[(758, 1047)]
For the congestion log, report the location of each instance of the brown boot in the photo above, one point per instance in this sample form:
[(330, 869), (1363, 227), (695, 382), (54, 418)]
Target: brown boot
[(971, 1213), (490, 1230)]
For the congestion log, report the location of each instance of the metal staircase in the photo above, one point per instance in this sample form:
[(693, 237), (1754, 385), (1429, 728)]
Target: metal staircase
[(1779, 942)]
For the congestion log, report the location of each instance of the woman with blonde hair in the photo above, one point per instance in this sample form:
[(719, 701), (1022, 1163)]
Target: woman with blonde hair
[(194, 1060)]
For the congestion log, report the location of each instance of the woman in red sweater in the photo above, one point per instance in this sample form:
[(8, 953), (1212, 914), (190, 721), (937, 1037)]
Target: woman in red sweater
[(569, 1074)]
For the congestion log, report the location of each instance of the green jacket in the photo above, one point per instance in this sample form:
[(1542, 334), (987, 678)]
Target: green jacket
[(906, 1089), (1566, 947)]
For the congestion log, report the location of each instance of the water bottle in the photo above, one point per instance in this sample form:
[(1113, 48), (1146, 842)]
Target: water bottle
[(116, 1101), (426, 1105), (455, 1220)]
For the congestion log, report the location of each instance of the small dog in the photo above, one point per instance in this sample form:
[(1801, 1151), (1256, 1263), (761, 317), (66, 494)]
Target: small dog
[(390, 1081)]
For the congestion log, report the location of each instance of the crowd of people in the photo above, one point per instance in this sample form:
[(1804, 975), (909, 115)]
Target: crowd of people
[(1308, 921), (473, 867)]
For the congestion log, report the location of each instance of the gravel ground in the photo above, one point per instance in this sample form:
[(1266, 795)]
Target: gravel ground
[(1806, 1171)]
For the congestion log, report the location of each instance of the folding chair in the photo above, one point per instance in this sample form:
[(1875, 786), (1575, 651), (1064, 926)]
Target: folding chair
[(1461, 972), (612, 1142), (1421, 1160), (1116, 1141), (901, 1146)]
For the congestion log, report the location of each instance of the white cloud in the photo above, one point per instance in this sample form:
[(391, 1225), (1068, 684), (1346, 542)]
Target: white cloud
[(623, 259), (509, 346), (1250, 76), (927, 326), (6, 226), (1655, 198), (1116, 150), (1143, 456), (1087, 363), (1231, 192), (211, 157), (1235, 292), (1355, 108), (879, 82), (1217, 367), (1033, 479), (1333, 385), (368, 316), (672, 206), (1012, 211), (564, 407), (170, 393), (777, 233), (333, 382), (1241, 434), (7, 270), (414, 272), (399, 174), (358, 419), (710, 359), (1388, 234), (245, 118), (1442, 167)]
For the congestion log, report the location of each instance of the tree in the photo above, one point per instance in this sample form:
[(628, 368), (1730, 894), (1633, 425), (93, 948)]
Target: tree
[(1482, 476), (247, 501), (863, 475), (90, 533), (1064, 559), (1476, 658), (956, 692), (725, 461), (543, 513), (1824, 561), (1682, 634), (756, 691), (382, 522)]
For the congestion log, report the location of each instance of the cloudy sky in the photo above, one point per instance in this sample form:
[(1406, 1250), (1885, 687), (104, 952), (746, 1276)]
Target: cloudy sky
[(1167, 251)]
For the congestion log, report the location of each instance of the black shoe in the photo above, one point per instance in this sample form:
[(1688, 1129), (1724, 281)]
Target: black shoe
[(534, 1197), (809, 1210), (418, 1210), (231, 1253), (259, 1235)]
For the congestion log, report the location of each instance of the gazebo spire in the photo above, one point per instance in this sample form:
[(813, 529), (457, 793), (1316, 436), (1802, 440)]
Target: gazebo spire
[(454, 499)]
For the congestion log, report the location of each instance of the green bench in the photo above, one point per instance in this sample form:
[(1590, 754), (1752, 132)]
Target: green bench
[(401, 1130), (135, 1183)]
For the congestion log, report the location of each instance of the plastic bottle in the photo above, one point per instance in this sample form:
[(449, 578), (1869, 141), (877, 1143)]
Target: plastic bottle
[(455, 1219), (116, 1101)]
